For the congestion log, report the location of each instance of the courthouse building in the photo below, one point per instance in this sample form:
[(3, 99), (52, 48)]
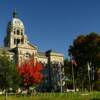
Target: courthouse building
[(18, 47)]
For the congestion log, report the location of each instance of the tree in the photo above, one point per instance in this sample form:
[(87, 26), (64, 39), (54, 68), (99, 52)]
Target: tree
[(9, 77), (70, 69), (30, 73), (86, 49), (67, 69)]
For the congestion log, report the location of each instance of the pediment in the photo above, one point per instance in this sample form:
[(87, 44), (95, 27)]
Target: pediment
[(28, 46)]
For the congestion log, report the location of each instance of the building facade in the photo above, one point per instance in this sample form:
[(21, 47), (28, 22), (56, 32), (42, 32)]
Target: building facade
[(18, 47)]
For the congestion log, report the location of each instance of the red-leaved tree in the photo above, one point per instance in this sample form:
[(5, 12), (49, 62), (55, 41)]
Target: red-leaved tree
[(30, 73)]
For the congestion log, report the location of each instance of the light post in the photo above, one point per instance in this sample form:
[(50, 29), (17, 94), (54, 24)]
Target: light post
[(73, 78), (60, 71)]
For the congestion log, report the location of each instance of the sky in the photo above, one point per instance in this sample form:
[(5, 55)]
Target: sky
[(52, 24)]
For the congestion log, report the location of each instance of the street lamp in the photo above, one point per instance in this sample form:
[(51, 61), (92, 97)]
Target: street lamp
[(60, 71), (73, 77)]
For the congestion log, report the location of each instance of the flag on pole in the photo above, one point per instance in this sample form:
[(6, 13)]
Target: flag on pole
[(88, 66), (73, 62)]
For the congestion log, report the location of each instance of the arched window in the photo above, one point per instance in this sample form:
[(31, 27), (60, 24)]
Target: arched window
[(21, 32), (18, 32), (14, 30), (18, 41)]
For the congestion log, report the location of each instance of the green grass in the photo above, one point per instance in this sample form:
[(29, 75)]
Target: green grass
[(56, 96)]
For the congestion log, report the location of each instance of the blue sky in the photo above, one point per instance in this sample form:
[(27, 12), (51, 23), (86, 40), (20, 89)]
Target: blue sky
[(52, 24)]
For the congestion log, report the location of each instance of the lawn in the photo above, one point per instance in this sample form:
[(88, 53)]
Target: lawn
[(56, 96)]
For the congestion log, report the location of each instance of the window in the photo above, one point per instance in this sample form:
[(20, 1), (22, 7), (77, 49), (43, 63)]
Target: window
[(26, 56), (21, 59), (14, 41), (14, 32), (21, 32), (22, 41), (18, 41), (18, 32)]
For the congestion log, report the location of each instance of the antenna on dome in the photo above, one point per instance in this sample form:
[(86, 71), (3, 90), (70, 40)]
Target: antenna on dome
[(15, 15)]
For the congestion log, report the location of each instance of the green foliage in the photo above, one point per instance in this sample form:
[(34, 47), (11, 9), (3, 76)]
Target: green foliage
[(9, 76), (85, 49), (67, 68), (97, 85)]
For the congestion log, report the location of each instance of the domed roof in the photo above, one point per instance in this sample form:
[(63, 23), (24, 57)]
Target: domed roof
[(15, 21)]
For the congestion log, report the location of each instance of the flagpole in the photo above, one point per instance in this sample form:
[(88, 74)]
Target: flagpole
[(92, 77), (89, 77)]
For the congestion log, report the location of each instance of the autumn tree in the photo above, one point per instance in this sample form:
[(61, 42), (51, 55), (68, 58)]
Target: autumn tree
[(30, 73)]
